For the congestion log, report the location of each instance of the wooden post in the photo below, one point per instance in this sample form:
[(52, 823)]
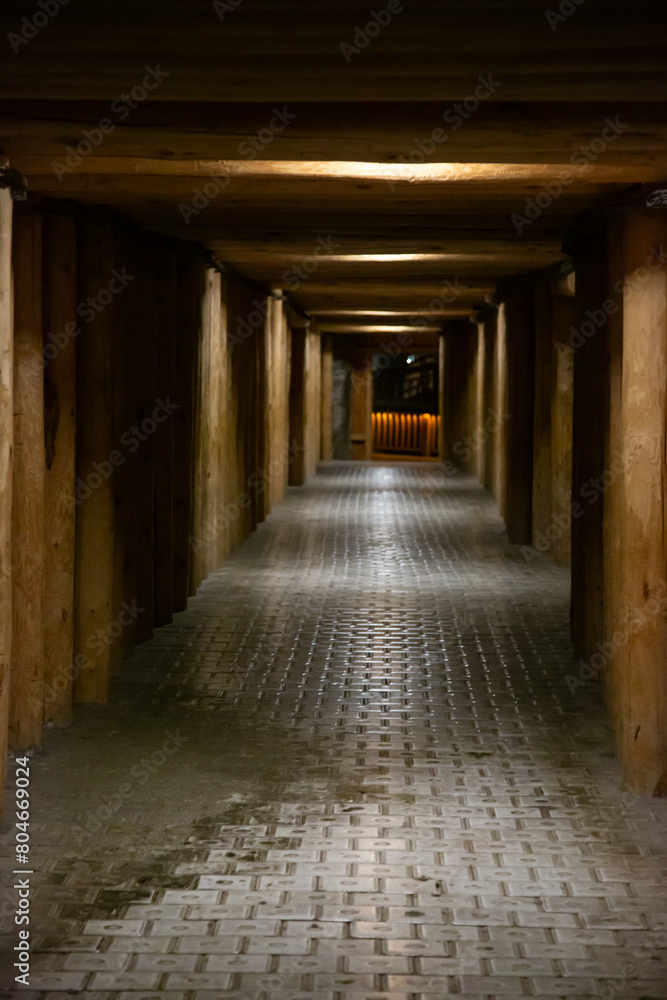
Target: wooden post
[(60, 321), (312, 402), (590, 445), (94, 587), (519, 310), (479, 418), (6, 442), (561, 431), (442, 401), (500, 410), (640, 647), (27, 673), (542, 432), (490, 325), (297, 424), (326, 415), (164, 437), (361, 406)]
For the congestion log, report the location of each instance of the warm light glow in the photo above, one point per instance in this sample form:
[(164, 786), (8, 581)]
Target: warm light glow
[(389, 258)]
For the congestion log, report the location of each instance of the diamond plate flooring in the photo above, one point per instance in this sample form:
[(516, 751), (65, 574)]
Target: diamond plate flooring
[(353, 768)]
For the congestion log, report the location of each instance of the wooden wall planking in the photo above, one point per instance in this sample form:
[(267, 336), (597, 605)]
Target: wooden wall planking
[(59, 312), (95, 520), (27, 520), (6, 447), (638, 674), (326, 406)]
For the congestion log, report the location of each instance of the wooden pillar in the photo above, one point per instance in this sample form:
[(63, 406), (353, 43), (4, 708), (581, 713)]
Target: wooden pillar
[(561, 431), (297, 409), (361, 406), (542, 432), (94, 587), (59, 322), (488, 390), (6, 442), (326, 415), (27, 673), (519, 313), (590, 443), (312, 400), (442, 400), (189, 279), (164, 436), (500, 410), (479, 418), (639, 674)]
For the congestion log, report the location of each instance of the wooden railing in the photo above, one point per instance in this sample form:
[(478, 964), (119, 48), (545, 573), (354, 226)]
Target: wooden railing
[(406, 433)]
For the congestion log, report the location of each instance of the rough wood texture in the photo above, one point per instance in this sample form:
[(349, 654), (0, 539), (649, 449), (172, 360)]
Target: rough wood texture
[(326, 405), (542, 431), (640, 665), (361, 406), (6, 442), (561, 431), (500, 411), (589, 445), (27, 521), (59, 309), (520, 406), (94, 584), (313, 392)]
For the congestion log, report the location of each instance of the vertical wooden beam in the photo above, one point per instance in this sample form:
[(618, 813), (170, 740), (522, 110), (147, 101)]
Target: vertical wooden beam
[(561, 431), (6, 444), (164, 437), (519, 311), (60, 321), (479, 417), (188, 292), (326, 414), (640, 661), (297, 423), (361, 406), (589, 444), (490, 324), (27, 674), (542, 431), (500, 409), (94, 562), (442, 401)]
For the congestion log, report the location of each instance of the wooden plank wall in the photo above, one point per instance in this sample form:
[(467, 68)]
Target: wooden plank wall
[(147, 405)]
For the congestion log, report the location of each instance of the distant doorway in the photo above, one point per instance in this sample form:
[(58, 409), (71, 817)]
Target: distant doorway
[(406, 421)]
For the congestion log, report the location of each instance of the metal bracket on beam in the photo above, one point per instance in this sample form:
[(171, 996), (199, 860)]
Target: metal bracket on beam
[(15, 181)]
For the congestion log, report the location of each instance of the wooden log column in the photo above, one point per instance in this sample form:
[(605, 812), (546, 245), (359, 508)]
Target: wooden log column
[(6, 442), (519, 311), (297, 411), (361, 406), (27, 670), (542, 431), (490, 331), (94, 587), (60, 321), (640, 649), (326, 414), (561, 429), (590, 442)]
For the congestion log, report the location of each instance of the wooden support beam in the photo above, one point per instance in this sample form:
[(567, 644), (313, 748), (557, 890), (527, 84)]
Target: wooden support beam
[(361, 406), (545, 357), (312, 401), (561, 430), (639, 675), (94, 588), (59, 316), (326, 412), (590, 443), (520, 319), (297, 411), (6, 444), (27, 673)]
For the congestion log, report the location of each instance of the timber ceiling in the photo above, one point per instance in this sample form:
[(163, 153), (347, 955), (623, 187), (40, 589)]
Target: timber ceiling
[(307, 165)]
